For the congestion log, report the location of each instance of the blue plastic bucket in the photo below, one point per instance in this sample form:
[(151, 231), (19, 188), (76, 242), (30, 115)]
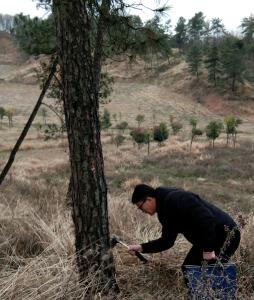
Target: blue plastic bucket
[(211, 281)]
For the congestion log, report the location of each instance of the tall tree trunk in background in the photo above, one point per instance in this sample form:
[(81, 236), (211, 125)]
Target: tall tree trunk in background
[(233, 83), (80, 71)]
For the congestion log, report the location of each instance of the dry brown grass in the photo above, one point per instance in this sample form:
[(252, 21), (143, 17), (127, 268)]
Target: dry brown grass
[(38, 261)]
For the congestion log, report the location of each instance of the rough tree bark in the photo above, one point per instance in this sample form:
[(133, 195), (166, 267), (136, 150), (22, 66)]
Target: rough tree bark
[(80, 68)]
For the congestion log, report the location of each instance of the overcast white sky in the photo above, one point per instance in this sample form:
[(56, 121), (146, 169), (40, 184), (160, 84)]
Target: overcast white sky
[(230, 11)]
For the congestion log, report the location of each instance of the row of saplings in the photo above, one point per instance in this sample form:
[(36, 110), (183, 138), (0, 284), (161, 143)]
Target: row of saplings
[(160, 133)]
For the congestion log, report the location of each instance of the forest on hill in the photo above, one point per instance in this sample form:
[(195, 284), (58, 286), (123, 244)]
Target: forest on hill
[(204, 44)]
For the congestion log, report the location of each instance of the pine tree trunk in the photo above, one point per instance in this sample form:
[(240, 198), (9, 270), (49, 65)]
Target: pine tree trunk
[(192, 137), (87, 188), (234, 139), (214, 78), (233, 84)]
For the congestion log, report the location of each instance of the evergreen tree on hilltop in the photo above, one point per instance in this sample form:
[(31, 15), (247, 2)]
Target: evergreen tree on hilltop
[(212, 61), (156, 41), (248, 28), (213, 64), (248, 32), (196, 27), (35, 36), (206, 36), (194, 59), (217, 29), (181, 34), (232, 60)]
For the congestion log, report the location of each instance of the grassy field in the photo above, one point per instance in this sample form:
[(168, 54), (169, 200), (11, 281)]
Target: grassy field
[(36, 232)]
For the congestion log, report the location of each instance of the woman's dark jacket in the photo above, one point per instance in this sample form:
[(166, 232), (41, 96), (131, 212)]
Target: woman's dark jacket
[(203, 224)]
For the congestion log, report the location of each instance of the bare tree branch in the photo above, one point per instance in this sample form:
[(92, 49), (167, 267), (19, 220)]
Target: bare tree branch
[(28, 124)]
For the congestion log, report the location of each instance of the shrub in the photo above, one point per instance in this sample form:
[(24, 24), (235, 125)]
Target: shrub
[(193, 122), (9, 112), (2, 114), (141, 136), (51, 131), (175, 125), (160, 133), (118, 140), (140, 119), (114, 116), (122, 126), (213, 130), (231, 123), (194, 131), (106, 87), (105, 119), (44, 114)]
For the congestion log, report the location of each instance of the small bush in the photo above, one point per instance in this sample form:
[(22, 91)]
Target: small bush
[(105, 120), (122, 126), (193, 122), (44, 114), (160, 133), (213, 130), (52, 131), (114, 116), (195, 132), (176, 126), (231, 123), (9, 112), (140, 119), (2, 114), (118, 140), (141, 136)]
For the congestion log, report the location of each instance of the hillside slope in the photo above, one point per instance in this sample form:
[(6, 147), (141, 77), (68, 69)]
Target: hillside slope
[(158, 90)]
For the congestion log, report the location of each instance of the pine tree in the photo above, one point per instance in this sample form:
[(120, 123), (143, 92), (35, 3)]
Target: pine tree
[(80, 66), (248, 28), (213, 64), (213, 130), (194, 59), (181, 34), (217, 29), (35, 36), (196, 27), (232, 60), (248, 32)]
